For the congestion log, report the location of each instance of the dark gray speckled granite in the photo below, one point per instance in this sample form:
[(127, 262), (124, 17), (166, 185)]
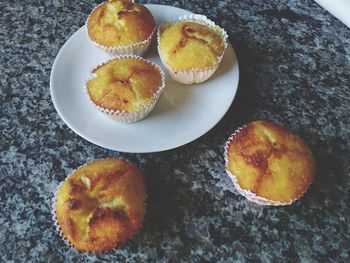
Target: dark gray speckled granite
[(295, 70)]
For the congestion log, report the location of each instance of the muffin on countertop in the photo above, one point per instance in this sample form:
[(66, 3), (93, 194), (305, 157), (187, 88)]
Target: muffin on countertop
[(126, 87), (268, 164), (193, 44), (101, 204), (121, 27)]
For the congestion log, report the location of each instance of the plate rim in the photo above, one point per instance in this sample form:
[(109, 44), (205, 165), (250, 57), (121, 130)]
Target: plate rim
[(162, 149)]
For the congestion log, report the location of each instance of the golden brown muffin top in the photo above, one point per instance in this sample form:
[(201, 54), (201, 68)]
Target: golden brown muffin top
[(101, 204), (270, 161), (124, 84), (120, 23), (190, 45)]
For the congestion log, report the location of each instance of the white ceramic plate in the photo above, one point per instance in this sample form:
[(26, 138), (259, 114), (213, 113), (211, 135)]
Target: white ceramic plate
[(182, 114)]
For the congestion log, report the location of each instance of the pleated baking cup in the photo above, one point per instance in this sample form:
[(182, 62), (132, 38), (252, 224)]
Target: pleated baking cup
[(125, 116), (247, 193), (59, 229), (137, 49), (195, 75)]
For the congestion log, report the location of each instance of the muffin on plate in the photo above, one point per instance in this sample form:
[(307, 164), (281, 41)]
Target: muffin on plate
[(121, 27), (268, 164), (100, 205), (125, 88), (191, 48)]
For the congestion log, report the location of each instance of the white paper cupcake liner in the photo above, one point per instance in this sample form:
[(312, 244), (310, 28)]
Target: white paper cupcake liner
[(125, 116), (58, 227), (246, 193), (194, 75), (137, 49)]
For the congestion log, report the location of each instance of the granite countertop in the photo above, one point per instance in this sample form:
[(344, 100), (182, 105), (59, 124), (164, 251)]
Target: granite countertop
[(294, 70)]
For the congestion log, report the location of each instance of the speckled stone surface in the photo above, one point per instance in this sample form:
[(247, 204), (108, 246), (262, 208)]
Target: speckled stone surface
[(294, 69)]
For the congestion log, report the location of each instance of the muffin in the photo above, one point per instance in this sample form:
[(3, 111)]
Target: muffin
[(191, 48), (121, 27), (125, 88), (100, 205), (268, 164)]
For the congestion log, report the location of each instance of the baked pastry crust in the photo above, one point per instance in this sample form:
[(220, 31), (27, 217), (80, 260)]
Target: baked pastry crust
[(124, 84), (119, 23), (187, 45), (271, 162), (101, 204)]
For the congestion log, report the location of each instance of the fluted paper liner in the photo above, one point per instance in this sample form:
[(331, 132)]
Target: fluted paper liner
[(246, 193), (125, 116), (194, 75), (138, 48), (58, 227)]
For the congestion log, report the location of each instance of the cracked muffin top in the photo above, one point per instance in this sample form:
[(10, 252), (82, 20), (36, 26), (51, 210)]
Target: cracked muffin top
[(120, 23), (124, 84), (189, 45), (101, 204), (270, 161)]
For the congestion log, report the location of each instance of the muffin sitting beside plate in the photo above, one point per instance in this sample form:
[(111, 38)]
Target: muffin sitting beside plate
[(268, 164), (100, 205)]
